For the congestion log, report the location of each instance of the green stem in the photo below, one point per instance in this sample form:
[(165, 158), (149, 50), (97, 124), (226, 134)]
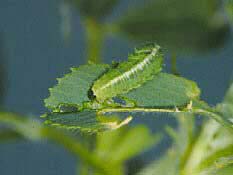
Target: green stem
[(174, 68), (9, 135), (220, 119), (110, 110), (188, 127), (89, 143), (203, 112), (83, 169), (95, 39)]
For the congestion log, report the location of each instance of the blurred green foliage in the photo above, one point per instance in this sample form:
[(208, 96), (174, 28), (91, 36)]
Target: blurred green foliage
[(178, 25), (120, 145), (229, 10)]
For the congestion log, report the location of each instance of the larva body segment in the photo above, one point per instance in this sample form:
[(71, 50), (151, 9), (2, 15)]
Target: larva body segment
[(140, 67)]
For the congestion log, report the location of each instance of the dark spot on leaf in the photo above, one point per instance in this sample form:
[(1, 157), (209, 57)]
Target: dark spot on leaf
[(90, 94)]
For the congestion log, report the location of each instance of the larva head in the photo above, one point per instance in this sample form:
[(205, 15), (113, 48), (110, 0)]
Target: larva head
[(141, 66), (146, 49)]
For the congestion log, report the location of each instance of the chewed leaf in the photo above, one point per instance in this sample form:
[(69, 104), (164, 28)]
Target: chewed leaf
[(140, 67), (164, 90), (73, 88), (85, 121)]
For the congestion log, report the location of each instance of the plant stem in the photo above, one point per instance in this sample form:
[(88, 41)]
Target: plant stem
[(110, 110), (8, 135), (200, 111), (89, 142), (95, 39), (174, 69), (83, 169), (214, 115)]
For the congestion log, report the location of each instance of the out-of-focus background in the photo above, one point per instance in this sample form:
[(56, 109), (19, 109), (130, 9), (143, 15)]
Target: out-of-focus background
[(33, 53)]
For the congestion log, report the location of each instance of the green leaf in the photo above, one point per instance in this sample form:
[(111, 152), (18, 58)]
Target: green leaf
[(227, 111), (214, 143), (179, 25), (185, 136), (229, 9), (74, 87), (220, 167), (226, 170), (93, 9), (226, 107), (220, 159), (121, 145), (164, 90), (85, 121), (166, 165), (229, 95)]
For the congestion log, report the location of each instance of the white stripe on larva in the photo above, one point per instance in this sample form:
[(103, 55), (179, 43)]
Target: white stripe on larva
[(132, 71)]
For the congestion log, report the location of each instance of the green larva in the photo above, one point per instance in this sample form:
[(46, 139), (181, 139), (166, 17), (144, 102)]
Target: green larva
[(141, 66)]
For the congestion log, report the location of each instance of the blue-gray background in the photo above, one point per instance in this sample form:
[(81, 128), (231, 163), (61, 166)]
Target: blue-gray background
[(35, 54)]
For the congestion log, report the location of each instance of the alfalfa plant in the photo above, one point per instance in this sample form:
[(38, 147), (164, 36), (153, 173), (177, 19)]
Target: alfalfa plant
[(85, 108)]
